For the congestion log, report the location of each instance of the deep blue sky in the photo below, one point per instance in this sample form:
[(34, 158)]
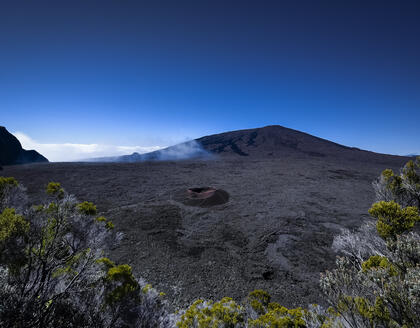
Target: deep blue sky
[(150, 73)]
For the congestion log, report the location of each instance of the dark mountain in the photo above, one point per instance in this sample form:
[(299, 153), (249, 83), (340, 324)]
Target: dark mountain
[(11, 151), (268, 142), (277, 141)]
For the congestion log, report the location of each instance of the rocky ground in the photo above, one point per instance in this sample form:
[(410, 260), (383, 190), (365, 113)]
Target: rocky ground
[(275, 233)]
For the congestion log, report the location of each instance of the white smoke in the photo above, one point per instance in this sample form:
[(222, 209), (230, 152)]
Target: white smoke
[(182, 151), (186, 150)]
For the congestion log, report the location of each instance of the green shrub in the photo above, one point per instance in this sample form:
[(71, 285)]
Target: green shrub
[(87, 208), (382, 290), (259, 301), (7, 181), (54, 188), (12, 225), (108, 223), (8, 186), (206, 314), (392, 220), (127, 284), (403, 188), (52, 273), (379, 262), (279, 317)]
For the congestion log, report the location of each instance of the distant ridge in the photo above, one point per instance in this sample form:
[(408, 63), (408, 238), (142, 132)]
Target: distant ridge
[(11, 151), (271, 141)]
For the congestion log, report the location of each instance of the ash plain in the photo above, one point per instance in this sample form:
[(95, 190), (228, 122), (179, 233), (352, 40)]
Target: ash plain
[(275, 233)]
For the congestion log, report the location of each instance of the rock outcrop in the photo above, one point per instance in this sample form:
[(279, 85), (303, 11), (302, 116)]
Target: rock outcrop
[(11, 151)]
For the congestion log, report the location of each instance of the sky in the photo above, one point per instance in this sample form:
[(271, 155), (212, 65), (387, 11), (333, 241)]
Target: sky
[(83, 79)]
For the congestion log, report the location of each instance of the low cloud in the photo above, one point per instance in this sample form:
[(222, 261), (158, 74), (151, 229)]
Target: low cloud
[(69, 152)]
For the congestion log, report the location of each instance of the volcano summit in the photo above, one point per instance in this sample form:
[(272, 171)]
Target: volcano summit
[(272, 141)]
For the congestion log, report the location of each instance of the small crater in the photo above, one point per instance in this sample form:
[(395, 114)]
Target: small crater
[(199, 190), (268, 275), (202, 196)]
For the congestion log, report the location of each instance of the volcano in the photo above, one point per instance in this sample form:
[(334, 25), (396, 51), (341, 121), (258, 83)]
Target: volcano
[(273, 141)]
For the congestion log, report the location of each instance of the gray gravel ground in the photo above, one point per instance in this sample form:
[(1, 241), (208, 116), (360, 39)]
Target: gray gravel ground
[(275, 233)]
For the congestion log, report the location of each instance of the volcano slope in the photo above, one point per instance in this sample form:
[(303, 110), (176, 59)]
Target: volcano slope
[(274, 232)]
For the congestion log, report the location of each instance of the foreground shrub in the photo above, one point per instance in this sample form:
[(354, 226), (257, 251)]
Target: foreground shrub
[(392, 220), (256, 312), (378, 283), (202, 314), (12, 194), (279, 316), (403, 188), (52, 269)]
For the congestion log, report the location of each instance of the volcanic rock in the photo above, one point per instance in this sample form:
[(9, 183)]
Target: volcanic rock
[(11, 151)]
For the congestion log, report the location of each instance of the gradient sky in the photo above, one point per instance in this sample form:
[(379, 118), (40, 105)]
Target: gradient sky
[(147, 74)]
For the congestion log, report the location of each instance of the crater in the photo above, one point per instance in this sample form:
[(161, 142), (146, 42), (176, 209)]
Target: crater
[(202, 192), (202, 196)]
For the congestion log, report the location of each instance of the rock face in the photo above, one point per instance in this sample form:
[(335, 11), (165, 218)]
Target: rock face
[(11, 151)]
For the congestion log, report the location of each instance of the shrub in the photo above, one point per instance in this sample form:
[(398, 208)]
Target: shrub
[(378, 283), (403, 188), (205, 314), (279, 316), (87, 208), (11, 194), (12, 225), (392, 220), (259, 301), (257, 312), (54, 188), (361, 244), (379, 262), (52, 269)]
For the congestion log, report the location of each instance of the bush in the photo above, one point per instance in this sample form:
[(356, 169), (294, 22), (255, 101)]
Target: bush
[(202, 314), (378, 283), (11, 194), (392, 220), (52, 269), (87, 208), (54, 188), (403, 188), (256, 312)]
